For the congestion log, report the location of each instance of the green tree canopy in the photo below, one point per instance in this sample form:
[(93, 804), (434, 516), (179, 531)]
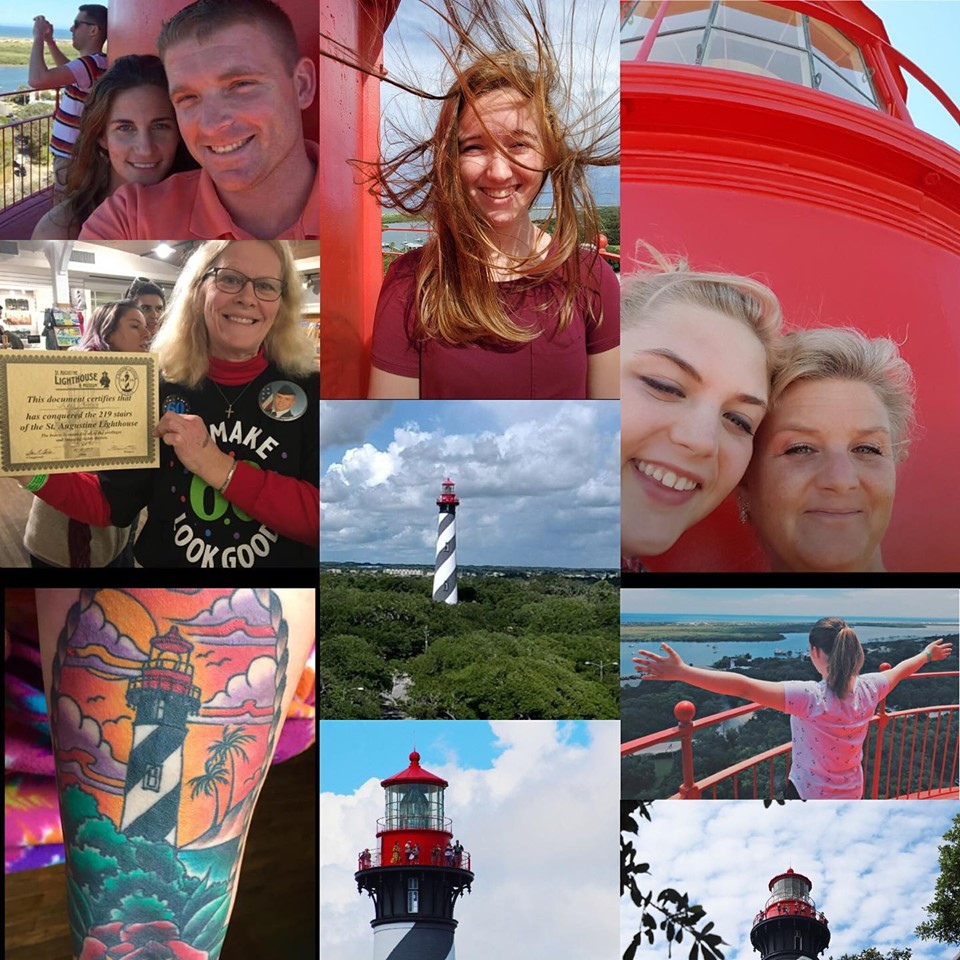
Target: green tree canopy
[(943, 914)]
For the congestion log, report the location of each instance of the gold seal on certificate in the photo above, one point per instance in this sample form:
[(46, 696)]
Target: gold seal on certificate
[(77, 411)]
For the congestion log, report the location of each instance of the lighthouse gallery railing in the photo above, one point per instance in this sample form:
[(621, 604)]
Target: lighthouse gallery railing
[(461, 862), (919, 740)]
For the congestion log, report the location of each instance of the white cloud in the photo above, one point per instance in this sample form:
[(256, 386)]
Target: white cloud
[(541, 827), (873, 867), (543, 490)]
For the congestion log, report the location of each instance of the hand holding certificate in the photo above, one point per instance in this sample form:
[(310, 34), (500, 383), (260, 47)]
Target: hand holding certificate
[(74, 411)]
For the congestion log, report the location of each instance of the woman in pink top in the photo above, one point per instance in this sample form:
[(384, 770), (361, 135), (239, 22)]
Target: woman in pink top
[(828, 718)]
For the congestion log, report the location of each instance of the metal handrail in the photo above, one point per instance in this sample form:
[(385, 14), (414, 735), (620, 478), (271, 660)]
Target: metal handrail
[(461, 862), (692, 789), (21, 180), (860, 36)]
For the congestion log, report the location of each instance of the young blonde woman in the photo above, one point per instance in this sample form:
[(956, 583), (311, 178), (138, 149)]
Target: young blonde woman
[(828, 718), (820, 486), (697, 353), (496, 305)]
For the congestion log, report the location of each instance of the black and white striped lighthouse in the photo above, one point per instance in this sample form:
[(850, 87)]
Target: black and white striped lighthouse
[(164, 696), (789, 926), (445, 568), (418, 871)]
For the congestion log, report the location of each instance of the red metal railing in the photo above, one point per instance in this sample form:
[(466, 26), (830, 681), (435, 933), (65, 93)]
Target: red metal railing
[(27, 166), (461, 862), (936, 777), (863, 38)]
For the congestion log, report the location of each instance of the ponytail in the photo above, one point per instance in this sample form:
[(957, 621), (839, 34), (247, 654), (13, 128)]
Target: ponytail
[(841, 644)]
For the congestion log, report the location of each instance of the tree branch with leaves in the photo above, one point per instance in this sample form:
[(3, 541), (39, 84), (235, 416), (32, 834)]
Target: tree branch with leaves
[(668, 912)]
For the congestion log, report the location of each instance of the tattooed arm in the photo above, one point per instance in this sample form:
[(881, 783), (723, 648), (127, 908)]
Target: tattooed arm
[(165, 709)]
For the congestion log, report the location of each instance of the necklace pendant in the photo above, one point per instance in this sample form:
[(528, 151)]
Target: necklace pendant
[(229, 410)]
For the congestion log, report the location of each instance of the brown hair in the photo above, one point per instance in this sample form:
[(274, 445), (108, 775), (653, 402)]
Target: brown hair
[(103, 324), (88, 176), (842, 646), (98, 13), (660, 281), (500, 46), (202, 19)]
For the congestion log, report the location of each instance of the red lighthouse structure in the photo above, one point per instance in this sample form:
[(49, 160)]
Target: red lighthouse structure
[(418, 871), (773, 139), (789, 926)]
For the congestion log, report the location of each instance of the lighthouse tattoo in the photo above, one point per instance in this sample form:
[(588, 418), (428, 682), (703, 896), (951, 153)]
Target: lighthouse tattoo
[(165, 706)]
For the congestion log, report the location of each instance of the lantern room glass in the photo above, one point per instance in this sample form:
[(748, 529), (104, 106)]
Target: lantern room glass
[(414, 806), (750, 36)]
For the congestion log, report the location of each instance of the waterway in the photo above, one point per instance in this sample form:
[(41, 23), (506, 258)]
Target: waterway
[(704, 654)]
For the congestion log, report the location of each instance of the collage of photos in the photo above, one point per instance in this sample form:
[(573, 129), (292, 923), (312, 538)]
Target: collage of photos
[(485, 386)]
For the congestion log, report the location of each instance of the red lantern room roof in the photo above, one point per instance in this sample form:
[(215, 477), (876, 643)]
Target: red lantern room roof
[(172, 642), (414, 774)]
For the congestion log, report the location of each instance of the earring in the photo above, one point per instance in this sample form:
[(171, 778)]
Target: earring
[(743, 510)]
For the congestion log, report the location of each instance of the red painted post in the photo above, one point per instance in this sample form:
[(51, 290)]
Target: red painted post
[(878, 747), (684, 712)]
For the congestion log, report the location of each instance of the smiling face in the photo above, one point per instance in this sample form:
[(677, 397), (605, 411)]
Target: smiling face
[(141, 136), (238, 105), (130, 335), (238, 323), (821, 483), (693, 384), (499, 142)]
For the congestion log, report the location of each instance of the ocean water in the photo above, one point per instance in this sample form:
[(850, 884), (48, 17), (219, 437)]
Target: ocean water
[(13, 77), (704, 654)]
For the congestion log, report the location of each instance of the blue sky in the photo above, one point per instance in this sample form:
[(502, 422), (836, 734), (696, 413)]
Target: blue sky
[(538, 481), (873, 867), (351, 752), (535, 804), (836, 601)]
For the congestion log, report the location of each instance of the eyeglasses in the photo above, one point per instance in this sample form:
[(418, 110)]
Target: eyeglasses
[(76, 23), (232, 281)]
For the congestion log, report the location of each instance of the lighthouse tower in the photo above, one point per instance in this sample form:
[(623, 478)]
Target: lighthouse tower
[(164, 696), (445, 570), (417, 872), (789, 927)]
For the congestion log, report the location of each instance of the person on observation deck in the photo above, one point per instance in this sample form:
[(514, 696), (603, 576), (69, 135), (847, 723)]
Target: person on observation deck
[(828, 718), (76, 77)]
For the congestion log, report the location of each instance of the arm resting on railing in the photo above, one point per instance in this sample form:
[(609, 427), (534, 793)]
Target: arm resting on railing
[(672, 667)]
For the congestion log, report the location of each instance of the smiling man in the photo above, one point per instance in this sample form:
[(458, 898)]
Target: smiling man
[(238, 83)]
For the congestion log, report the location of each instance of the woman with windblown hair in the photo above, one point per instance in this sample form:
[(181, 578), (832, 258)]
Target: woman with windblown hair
[(495, 305), (828, 718)]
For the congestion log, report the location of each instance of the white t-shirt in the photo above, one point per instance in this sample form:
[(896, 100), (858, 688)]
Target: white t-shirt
[(828, 735)]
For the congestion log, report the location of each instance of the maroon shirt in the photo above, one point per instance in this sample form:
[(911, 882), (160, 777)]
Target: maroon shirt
[(551, 367)]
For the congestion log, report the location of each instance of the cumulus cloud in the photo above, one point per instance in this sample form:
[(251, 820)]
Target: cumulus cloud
[(873, 867), (540, 488), (257, 684), (243, 604), (540, 826), (93, 629)]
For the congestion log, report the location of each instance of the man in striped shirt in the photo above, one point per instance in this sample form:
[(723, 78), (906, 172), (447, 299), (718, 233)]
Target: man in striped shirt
[(89, 33)]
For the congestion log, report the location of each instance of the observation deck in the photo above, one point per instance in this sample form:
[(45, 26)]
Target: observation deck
[(907, 754)]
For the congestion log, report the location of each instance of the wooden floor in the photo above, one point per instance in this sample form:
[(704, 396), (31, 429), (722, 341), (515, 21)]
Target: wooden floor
[(275, 914)]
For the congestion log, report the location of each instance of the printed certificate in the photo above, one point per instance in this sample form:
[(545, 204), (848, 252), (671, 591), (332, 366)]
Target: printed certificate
[(62, 412)]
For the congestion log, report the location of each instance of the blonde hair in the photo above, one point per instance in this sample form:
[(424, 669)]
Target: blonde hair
[(183, 344), (660, 281), (829, 353), (842, 646)]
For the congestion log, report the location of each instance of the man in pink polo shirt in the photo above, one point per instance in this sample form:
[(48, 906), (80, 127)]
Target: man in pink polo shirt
[(238, 83)]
